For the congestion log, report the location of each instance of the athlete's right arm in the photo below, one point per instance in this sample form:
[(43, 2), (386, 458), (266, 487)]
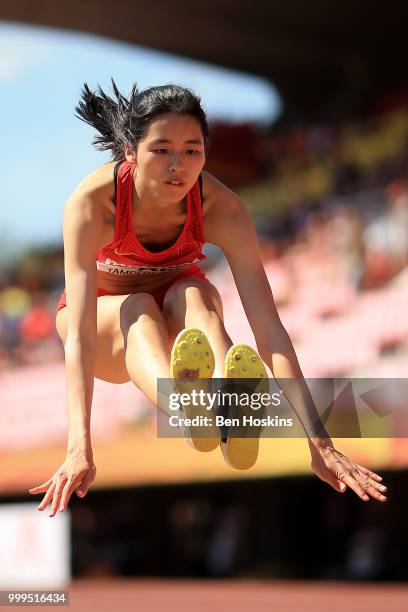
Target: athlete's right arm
[(82, 228), (83, 224)]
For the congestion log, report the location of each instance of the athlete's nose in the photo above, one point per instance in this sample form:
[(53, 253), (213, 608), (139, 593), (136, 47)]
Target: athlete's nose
[(175, 164)]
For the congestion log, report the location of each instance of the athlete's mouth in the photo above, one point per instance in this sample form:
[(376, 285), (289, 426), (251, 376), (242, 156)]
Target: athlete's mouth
[(175, 183)]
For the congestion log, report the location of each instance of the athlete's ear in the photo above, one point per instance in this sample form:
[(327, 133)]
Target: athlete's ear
[(130, 154)]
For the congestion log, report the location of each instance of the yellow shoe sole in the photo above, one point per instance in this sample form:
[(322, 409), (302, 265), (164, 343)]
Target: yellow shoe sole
[(242, 361), (192, 358)]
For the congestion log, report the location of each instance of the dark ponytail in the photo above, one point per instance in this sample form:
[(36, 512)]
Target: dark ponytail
[(123, 121)]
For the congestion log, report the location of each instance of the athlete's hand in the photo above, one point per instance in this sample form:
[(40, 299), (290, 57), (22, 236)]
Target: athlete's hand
[(77, 473), (340, 472)]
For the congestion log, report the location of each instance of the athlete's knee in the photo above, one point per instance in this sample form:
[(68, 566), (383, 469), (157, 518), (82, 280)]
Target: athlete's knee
[(203, 301), (193, 294), (136, 308), (203, 307)]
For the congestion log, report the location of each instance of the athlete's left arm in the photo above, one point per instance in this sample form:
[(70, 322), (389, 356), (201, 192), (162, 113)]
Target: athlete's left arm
[(232, 230), (234, 233)]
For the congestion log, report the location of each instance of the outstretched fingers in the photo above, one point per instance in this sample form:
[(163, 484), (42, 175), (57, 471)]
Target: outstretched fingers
[(57, 495), (341, 472), (369, 472), (41, 488), (364, 485), (47, 497)]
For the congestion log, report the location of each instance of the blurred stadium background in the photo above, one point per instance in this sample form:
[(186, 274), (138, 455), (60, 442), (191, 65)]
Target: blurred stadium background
[(327, 186)]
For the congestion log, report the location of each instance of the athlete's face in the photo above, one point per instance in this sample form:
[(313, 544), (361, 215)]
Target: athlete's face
[(172, 150)]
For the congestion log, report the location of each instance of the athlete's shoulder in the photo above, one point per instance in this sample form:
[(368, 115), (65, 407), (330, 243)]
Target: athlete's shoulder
[(99, 186), (219, 199), (223, 209), (215, 192)]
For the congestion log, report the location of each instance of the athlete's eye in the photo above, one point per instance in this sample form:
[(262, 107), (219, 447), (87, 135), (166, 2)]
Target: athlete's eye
[(192, 151), (160, 150)]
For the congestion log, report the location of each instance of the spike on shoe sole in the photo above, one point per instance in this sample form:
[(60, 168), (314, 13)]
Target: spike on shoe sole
[(242, 361), (192, 358)]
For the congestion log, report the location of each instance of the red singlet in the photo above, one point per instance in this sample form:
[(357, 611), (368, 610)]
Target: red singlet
[(126, 256)]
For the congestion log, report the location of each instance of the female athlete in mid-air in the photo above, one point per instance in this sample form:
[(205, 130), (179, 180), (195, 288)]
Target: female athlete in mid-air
[(146, 310)]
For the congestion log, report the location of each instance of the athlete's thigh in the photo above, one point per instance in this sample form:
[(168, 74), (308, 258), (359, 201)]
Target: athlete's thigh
[(115, 313)]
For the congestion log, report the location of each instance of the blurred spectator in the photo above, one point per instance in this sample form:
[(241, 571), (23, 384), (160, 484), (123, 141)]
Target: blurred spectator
[(347, 239), (14, 303), (366, 558), (38, 333), (189, 527), (226, 541), (386, 237)]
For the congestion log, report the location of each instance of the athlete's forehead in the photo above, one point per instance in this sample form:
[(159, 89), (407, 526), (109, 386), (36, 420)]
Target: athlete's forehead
[(175, 129), (156, 141)]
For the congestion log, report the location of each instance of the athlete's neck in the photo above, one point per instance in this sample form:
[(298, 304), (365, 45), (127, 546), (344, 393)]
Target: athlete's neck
[(149, 206)]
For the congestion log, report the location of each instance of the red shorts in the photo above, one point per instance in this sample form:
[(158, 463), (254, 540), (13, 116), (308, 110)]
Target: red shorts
[(158, 294)]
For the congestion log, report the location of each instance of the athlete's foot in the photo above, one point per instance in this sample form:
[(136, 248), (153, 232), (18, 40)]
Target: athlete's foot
[(192, 359), (240, 447)]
